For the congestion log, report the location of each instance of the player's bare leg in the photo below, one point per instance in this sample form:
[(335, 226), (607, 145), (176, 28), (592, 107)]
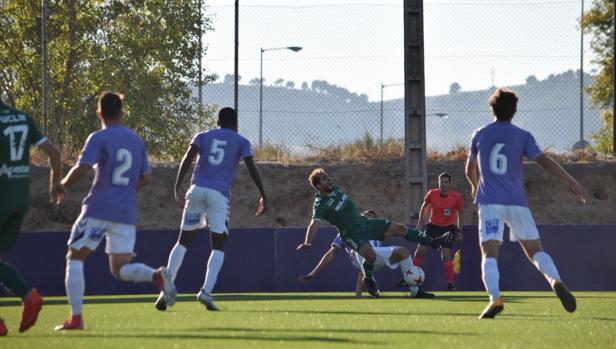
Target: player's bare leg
[(490, 277), (544, 263)]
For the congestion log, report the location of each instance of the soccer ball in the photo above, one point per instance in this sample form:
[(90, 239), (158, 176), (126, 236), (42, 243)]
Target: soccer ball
[(414, 276)]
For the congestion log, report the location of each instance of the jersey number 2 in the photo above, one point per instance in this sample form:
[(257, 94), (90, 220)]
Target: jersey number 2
[(125, 158), (17, 149)]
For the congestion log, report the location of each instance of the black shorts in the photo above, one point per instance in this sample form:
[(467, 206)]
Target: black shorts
[(435, 231), (10, 224)]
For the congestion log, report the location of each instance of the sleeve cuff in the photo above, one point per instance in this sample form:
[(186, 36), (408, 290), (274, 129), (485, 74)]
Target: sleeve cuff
[(41, 141)]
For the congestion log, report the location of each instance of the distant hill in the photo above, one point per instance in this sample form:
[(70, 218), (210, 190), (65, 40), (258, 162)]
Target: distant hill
[(323, 114)]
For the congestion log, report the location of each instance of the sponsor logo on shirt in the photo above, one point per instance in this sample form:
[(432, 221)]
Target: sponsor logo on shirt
[(192, 218), (447, 212), (492, 226), (7, 119), (22, 171)]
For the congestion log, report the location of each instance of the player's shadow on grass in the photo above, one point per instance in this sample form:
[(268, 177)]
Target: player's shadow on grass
[(201, 336), (348, 312), (337, 330)]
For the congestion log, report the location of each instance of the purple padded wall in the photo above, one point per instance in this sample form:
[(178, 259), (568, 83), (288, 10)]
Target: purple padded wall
[(265, 260)]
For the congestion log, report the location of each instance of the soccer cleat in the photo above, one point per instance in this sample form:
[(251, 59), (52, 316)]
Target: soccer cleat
[(162, 279), (74, 323), (566, 297), (161, 303), (423, 294), (371, 287), (207, 300), (493, 309), (33, 303), (3, 330), (451, 287)]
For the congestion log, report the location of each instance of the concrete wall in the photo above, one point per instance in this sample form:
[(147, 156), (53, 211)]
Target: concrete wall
[(265, 260)]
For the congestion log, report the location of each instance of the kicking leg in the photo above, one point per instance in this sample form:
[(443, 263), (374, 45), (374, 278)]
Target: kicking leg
[(544, 263)]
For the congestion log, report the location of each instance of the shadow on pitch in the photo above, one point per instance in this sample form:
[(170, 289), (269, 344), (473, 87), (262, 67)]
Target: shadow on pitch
[(201, 336), (337, 330)]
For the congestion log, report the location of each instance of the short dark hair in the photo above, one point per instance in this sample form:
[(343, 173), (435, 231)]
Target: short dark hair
[(227, 117), (110, 104), (444, 175), (504, 104)]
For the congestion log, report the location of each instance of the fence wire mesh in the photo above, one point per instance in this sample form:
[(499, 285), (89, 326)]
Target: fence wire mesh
[(347, 81)]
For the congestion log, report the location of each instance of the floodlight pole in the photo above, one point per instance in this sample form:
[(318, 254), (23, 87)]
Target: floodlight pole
[(45, 63)]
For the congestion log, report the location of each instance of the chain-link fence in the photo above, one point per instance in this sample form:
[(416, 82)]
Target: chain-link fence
[(347, 80)]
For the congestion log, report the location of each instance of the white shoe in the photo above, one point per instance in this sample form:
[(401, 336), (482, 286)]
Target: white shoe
[(207, 300), (162, 279), (161, 302)]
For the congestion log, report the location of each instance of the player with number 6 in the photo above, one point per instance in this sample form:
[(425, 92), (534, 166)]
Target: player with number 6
[(494, 170)]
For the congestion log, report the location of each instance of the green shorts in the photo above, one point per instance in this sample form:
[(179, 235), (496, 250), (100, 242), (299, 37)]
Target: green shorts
[(10, 224), (371, 229)]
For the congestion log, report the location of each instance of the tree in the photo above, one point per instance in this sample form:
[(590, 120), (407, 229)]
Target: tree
[(290, 85), (305, 86), (278, 82), (598, 22), (532, 80), (254, 81), (454, 88), (230, 79), (146, 50)]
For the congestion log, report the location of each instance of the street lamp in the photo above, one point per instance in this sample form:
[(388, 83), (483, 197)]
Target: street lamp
[(291, 48), (581, 144), (381, 120)]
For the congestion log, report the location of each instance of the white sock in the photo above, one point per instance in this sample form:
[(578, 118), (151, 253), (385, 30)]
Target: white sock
[(414, 290), (75, 285), (136, 272), (546, 266), (214, 265), (406, 264), (176, 257), (490, 277)]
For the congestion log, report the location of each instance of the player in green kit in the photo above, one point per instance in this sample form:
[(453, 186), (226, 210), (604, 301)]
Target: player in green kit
[(17, 133), (334, 206)]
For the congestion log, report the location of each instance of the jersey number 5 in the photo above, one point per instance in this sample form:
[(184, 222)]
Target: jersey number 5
[(217, 152), (125, 158), (498, 161)]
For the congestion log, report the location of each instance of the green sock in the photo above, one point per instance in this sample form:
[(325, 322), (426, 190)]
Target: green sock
[(368, 268), (417, 236), (12, 280)]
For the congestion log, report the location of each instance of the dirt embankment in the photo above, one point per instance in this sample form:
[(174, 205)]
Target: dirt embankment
[(376, 186)]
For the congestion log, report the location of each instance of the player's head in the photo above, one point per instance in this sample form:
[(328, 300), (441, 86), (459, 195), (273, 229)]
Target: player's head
[(227, 118), (110, 105), (444, 180), (321, 181), (504, 104), (369, 214)]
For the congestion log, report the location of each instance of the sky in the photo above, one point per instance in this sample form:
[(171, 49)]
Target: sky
[(359, 44)]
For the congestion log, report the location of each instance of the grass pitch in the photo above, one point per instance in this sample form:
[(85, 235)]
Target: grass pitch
[(323, 320)]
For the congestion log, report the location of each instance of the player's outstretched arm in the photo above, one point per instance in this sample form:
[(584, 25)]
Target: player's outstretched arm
[(555, 169), (187, 160), (56, 191), (311, 231), (75, 174), (471, 175), (256, 177), (327, 258)]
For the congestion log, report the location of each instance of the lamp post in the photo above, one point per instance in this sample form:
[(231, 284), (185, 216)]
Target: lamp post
[(581, 144), (291, 48), (381, 119)]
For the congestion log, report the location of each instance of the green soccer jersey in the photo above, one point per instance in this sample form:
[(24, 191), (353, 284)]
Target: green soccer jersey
[(17, 132), (338, 209)]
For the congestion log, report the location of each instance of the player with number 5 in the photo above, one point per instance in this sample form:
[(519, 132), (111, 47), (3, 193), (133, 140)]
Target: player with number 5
[(120, 162), (494, 170), (207, 203)]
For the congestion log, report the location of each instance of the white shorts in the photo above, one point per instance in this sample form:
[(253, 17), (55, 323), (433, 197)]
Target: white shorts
[(383, 256), (206, 207), (88, 232), (492, 219)]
